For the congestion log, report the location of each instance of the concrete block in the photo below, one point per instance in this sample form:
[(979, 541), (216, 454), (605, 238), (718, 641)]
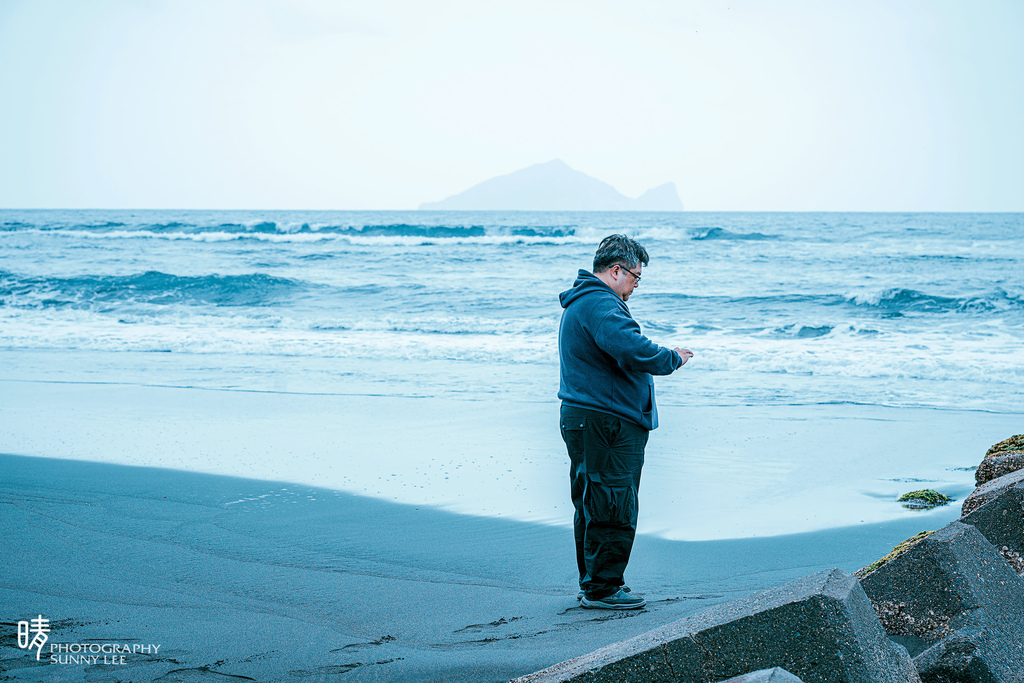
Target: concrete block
[(990, 491), (961, 657), (775, 675), (956, 605), (1001, 519), (995, 466), (820, 628)]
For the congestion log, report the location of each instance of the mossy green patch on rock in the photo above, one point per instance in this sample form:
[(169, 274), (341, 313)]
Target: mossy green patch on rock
[(925, 499), (1014, 443), (896, 552)]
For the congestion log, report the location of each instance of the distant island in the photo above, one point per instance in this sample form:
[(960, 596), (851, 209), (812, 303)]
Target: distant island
[(554, 186)]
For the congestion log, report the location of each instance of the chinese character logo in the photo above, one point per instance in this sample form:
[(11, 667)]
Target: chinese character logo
[(38, 626)]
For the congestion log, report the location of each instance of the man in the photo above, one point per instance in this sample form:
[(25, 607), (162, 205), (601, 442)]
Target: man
[(608, 408)]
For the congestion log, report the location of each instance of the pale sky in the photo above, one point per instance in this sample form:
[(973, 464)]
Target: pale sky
[(802, 105)]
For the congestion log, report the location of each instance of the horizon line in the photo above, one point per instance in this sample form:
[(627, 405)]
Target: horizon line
[(466, 211)]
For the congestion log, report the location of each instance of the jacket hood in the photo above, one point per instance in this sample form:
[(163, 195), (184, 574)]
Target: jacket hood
[(586, 282)]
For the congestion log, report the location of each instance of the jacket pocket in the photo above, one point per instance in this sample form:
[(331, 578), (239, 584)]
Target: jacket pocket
[(610, 498), (648, 410)]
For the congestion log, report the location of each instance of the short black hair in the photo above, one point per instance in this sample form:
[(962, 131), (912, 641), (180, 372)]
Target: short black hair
[(619, 249)]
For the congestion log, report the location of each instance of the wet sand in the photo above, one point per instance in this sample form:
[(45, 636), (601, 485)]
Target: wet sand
[(711, 472), (293, 536), (250, 579)]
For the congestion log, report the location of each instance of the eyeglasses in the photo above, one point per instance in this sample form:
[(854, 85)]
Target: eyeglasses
[(636, 278)]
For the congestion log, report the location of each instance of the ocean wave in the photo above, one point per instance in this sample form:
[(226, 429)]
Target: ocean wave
[(107, 224), (259, 227), (786, 313), (723, 234), (152, 288), (898, 301), (70, 329), (450, 325), (402, 230), (789, 331), (798, 331), (383, 236), (306, 227), (842, 353)]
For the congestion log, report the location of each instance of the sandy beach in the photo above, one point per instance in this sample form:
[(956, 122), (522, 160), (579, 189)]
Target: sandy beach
[(711, 472), (420, 547), (268, 581)]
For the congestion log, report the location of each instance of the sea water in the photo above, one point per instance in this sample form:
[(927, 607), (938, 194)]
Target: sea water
[(906, 310), (841, 358)]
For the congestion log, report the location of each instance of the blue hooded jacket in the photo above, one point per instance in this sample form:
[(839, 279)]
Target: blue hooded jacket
[(606, 363)]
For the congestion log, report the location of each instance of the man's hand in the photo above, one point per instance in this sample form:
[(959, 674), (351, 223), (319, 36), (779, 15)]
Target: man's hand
[(685, 354)]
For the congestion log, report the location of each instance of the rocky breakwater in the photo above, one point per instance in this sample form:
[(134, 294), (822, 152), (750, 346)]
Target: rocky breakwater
[(955, 604), (955, 597), (945, 606), (996, 507), (820, 628)]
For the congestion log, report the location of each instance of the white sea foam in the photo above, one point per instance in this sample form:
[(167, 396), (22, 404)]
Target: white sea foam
[(354, 237), (846, 307)]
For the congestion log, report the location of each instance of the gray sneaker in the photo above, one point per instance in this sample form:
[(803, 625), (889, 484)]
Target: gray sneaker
[(581, 594), (619, 600)]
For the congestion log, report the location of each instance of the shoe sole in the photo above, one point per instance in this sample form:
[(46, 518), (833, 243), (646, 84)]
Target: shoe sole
[(597, 604), (579, 596)]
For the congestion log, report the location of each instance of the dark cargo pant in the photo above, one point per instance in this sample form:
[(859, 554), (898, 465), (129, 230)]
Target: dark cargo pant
[(606, 454)]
